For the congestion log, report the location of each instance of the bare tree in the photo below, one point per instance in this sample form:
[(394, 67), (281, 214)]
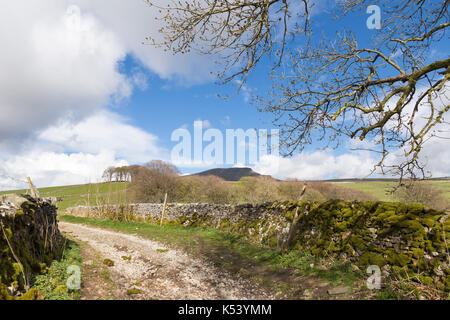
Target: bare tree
[(132, 172), (390, 93), (422, 192), (162, 167), (108, 174), (152, 181)]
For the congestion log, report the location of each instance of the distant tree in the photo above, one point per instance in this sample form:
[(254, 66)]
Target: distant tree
[(162, 167), (422, 192), (132, 172), (291, 190), (190, 189), (108, 174), (119, 173), (152, 181), (331, 191), (258, 189), (216, 190)]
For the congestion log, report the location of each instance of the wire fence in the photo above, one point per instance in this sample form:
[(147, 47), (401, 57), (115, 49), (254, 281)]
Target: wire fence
[(25, 184), (19, 183)]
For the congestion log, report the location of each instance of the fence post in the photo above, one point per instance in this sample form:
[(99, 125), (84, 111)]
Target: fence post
[(163, 210), (34, 191), (293, 227)]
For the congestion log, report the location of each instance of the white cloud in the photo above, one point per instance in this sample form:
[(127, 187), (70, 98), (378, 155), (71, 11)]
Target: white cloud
[(435, 153), (70, 153), (205, 123), (360, 162), (316, 165), (104, 131), (353, 164), (52, 69), (61, 61), (56, 169), (132, 21), (140, 80), (60, 71)]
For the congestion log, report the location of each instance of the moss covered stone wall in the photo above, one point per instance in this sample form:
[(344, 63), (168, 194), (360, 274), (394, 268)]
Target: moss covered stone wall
[(403, 240), (407, 241), (29, 242)]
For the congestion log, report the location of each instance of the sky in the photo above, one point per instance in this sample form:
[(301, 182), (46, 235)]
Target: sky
[(80, 92)]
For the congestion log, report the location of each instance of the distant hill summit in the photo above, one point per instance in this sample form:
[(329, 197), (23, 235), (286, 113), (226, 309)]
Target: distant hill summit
[(229, 174)]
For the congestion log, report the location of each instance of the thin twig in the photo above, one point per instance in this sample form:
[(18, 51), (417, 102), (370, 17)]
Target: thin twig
[(15, 257)]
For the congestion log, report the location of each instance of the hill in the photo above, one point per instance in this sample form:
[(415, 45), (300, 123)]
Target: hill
[(229, 174), (82, 195)]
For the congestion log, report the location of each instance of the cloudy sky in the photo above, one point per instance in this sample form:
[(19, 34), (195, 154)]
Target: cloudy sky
[(80, 92)]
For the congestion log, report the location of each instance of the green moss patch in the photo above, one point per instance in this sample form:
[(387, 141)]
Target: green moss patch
[(108, 262)]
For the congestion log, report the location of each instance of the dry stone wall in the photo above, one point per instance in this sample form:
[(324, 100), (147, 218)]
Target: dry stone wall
[(258, 223), (29, 241)]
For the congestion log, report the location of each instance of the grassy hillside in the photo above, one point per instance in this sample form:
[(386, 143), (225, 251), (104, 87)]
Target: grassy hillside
[(86, 194), (380, 189), (112, 193)]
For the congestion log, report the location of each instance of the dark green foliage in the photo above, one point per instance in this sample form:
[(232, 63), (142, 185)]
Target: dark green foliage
[(52, 284), (407, 236), (108, 262), (131, 292), (29, 242)]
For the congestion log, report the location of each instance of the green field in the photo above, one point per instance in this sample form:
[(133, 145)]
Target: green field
[(380, 189), (114, 192), (82, 195)]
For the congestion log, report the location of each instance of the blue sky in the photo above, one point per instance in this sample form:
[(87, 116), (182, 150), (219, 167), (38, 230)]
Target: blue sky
[(90, 96)]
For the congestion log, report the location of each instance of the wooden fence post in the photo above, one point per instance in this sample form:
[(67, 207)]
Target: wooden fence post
[(293, 227), (34, 191), (163, 210)]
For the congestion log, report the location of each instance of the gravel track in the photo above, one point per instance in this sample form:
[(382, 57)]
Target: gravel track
[(160, 272)]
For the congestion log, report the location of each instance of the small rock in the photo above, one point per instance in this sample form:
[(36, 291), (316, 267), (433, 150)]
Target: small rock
[(338, 290), (434, 254), (439, 271), (307, 292), (151, 272), (355, 268), (323, 284), (346, 235), (343, 256), (11, 290)]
